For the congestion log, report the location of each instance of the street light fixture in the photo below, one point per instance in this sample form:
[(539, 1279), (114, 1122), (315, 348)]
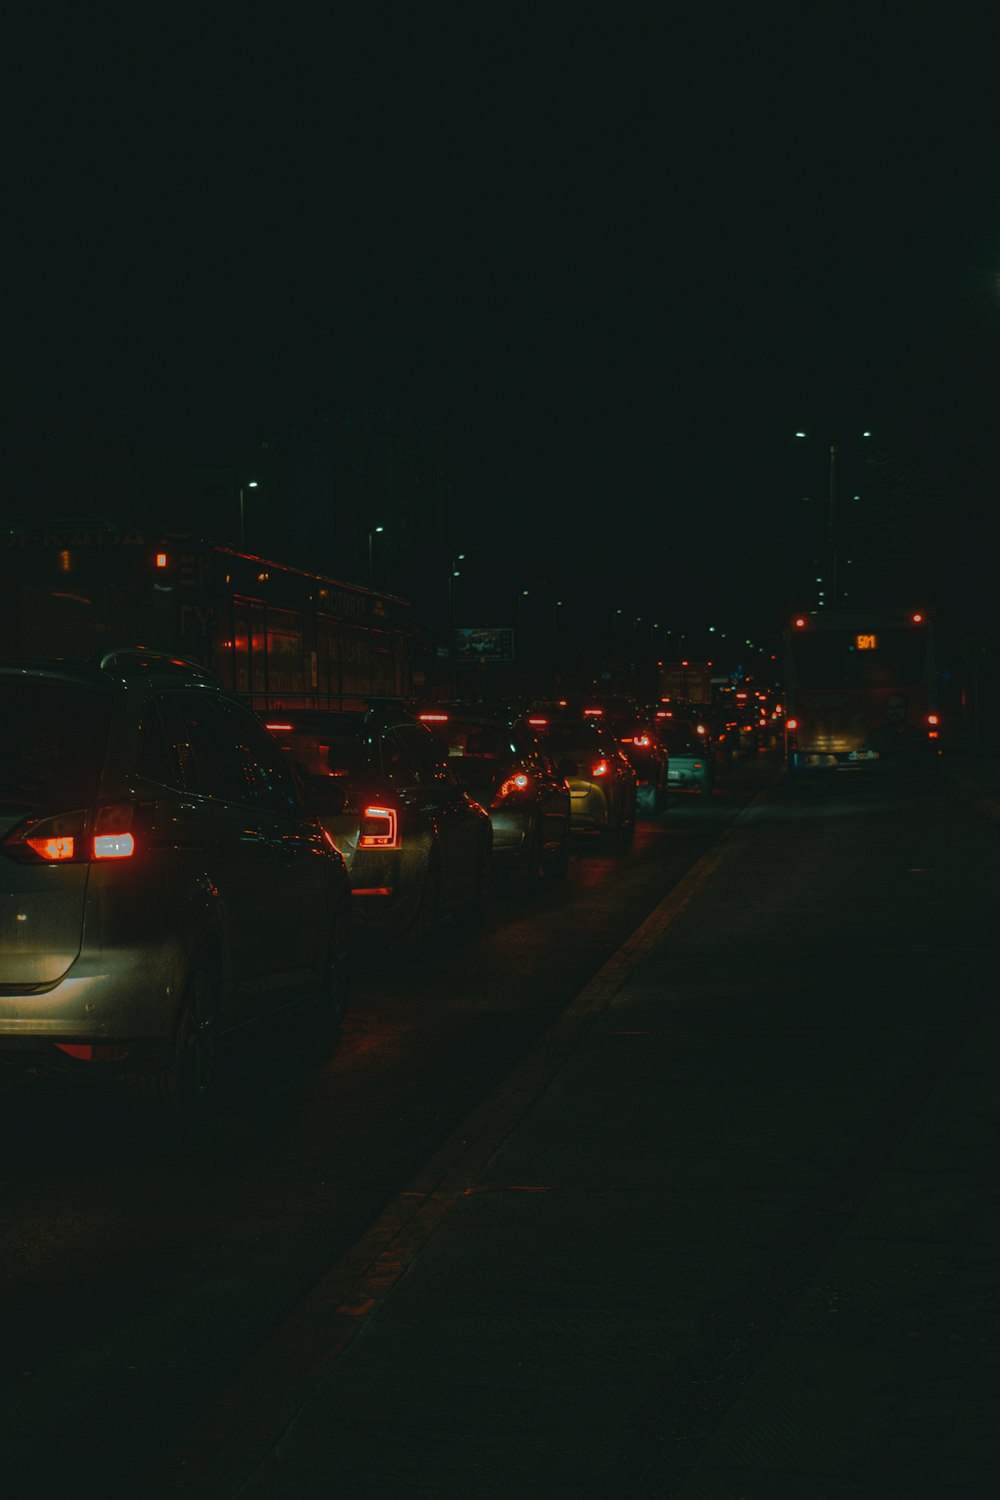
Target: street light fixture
[(831, 522), (251, 484), (371, 566)]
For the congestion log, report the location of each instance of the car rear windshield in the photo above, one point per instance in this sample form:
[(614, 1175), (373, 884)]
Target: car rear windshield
[(566, 739), (317, 752), (54, 741)]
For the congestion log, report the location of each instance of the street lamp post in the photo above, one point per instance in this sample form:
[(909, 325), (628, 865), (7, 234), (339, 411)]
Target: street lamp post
[(371, 563), (453, 573), (251, 484), (831, 525)]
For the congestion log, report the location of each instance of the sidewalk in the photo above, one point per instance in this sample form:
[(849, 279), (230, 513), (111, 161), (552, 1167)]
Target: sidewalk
[(546, 1308)]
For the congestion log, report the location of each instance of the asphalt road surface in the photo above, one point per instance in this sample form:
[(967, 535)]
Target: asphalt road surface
[(844, 953)]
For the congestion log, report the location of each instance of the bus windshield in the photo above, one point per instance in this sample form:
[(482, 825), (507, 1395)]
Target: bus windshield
[(884, 658)]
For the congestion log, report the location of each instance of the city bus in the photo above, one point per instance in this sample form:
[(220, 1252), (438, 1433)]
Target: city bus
[(276, 635), (860, 693)]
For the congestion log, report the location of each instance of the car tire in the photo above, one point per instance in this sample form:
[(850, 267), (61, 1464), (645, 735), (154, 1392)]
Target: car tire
[(184, 1089), (529, 876), (325, 1016), (418, 930), (560, 864), (473, 911)]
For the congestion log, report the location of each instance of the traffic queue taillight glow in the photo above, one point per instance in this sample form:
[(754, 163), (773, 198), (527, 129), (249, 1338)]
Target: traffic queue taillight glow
[(379, 828), (600, 768)]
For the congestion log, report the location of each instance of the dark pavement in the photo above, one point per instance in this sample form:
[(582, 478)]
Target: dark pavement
[(700, 1242)]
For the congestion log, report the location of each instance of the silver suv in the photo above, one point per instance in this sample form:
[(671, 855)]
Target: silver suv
[(162, 884)]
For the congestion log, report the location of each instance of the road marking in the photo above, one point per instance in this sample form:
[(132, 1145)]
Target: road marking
[(247, 1420)]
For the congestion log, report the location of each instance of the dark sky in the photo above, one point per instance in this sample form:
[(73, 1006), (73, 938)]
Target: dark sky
[(613, 256)]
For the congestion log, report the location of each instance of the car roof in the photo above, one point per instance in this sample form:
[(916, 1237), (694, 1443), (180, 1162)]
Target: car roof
[(113, 667)]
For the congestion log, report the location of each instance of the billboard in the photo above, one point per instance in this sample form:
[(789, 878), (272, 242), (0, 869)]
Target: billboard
[(484, 643)]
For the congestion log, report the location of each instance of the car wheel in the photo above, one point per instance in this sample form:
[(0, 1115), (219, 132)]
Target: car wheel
[(329, 1005), (472, 912), (560, 864), (184, 1088), (528, 877), (417, 931)]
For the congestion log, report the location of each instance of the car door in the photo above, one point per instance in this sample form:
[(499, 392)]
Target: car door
[(267, 887), (304, 885), (553, 795), (456, 819)]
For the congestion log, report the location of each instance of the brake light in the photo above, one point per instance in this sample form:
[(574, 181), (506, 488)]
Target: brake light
[(538, 723), (932, 719), (513, 784), (599, 769), (593, 713), (699, 729), (53, 849), (433, 718), (799, 622), (643, 741), (272, 727), (791, 723), (73, 838), (379, 828)]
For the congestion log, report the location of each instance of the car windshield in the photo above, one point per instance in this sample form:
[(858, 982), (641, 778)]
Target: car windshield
[(55, 738), (679, 739), (477, 753)]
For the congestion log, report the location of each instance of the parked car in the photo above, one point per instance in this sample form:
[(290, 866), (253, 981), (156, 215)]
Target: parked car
[(162, 883), (501, 761), (602, 783), (417, 847), (692, 765)]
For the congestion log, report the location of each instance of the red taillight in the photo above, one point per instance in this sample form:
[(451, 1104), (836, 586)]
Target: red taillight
[(379, 828), (538, 723), (93, 1051), (699, 728), (433, 718), (161, 559), (513, 784), (599, 769), (74, 838), (53, 849), (643, 741), (593, 713), (791, 723), (932, 719), (799, 622), (273, 727)]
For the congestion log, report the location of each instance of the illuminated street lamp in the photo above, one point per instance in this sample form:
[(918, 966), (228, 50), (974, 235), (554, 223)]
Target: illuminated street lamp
[(831, 522), (371, 567), (251, 484)]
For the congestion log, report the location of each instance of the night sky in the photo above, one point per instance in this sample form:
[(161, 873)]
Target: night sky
[(613, 258)]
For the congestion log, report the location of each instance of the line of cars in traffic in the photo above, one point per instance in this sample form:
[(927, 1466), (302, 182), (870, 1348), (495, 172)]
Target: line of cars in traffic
[(176, 870)]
